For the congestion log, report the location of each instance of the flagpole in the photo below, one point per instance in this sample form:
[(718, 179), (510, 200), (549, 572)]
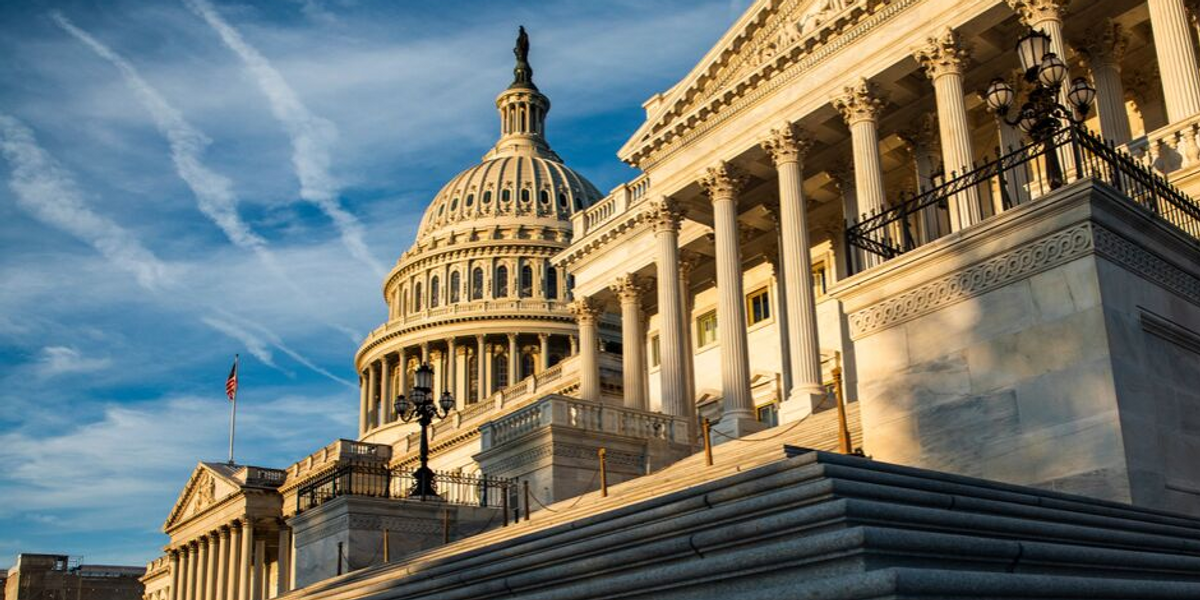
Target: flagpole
[(233, 413)]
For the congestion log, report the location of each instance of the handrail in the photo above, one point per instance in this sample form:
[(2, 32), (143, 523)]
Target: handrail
[(378, 481)]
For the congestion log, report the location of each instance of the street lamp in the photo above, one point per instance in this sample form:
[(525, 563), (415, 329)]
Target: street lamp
[(1041, 115), (422, 408)]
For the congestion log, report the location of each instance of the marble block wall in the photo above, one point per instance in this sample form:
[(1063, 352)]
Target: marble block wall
[(1016, 350)]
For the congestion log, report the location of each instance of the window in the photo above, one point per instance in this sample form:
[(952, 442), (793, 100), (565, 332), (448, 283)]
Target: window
[(500, 372), (435, 290), (524, 196), (417, 296), (706, 329), (526, 281), (477, 284), (454, 204), (819, 274), (505, 196), (527, 362), (501, 285), (551, 282), (544, 197), (455, 286), (562, 199), (487, 197), (758, 306), (655, 351), (470, 200), (768, 414), (472, 377)]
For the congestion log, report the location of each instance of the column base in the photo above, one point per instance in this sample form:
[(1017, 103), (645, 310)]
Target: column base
[(735, 426), (799, 405)]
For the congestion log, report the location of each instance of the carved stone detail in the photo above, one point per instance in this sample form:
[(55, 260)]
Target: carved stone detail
[(1104, 44), (628, 288), (1033, 12), (585, 310), (722, 181), (859, 102), (1147, 264), (787, 144), (942, 54), (665, 215)]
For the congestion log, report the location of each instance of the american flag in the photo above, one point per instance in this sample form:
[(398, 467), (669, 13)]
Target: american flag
[(231, 382)]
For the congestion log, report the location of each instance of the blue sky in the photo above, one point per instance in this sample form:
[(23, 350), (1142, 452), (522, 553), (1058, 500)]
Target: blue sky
[(183, 180)]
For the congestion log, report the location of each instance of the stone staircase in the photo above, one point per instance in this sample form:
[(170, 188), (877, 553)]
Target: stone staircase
[(771, 519)]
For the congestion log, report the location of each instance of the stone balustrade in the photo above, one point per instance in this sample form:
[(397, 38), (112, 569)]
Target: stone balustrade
[(583, 415), (1169, 148), (621, 199)]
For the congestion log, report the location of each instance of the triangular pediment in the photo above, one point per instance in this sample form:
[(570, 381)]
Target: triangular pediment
[(209, 484), (769, 32)]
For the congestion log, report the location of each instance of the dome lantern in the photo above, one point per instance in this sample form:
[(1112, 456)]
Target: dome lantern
[(522, 110)]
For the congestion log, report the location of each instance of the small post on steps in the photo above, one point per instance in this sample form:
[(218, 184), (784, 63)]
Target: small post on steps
[(603, 475), (843, 426), (707, 425), (387, 555), (525, 484), (445, 526), (504, 501)]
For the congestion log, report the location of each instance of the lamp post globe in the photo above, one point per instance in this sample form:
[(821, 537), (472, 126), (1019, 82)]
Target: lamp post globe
[(421, 407)]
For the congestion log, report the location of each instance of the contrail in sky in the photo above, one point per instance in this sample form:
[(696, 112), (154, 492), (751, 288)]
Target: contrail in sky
[(311, 135), (49, 193)]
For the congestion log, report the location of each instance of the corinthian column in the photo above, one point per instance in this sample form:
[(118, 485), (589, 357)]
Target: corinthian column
[(362, 404), (451, 371), (860, 108), (245, 574), (222, 563), (666, 218), (586, 312), (943, 58), (210, 580), (185, 572), (1047, 16), (385, 380), (1176, 58), (174, 595), (202, 586), (235, 538), (787, 147), (480, 367), (629, 291), (1102, 51), (688, 261), (722, 184), (514, 359)]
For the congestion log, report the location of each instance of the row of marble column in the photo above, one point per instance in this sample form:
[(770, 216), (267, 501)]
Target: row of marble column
[(384, 378), (227, 564)]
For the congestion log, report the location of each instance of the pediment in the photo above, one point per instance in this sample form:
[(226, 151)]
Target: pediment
[(770, 32), (208, 485)]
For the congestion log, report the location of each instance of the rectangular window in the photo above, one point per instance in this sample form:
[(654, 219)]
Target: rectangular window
[(706, 329), (758, 306), (655, 351), (819, 274), (768, 414)]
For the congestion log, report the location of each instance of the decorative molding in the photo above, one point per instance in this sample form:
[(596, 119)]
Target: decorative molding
[(722, 181), (1103, 45), (665, 215), (1039, 255), (1170, 331), (628, 288), (787, 144), (942, 54), (585, 310), (859, 102), (1033, 12), (1141, 261)]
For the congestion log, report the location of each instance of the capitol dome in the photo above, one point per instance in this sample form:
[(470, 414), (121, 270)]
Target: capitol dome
[(476, 296)]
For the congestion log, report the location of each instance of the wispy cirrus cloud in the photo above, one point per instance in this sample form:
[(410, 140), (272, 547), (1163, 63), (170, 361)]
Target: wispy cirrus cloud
[(257, 338), (49, 193), (64, 360), (311, 136)]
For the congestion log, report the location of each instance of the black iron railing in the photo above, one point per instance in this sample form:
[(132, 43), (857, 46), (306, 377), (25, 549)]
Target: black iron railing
[(377, 481), (1014, 178)]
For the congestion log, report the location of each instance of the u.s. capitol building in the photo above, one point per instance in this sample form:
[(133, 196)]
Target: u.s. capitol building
[(924, 273)]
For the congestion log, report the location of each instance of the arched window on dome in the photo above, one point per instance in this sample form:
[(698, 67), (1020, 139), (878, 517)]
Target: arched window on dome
[(562, 199), (470, 200), (455, 286), (487, 197), (551, 282), (527, 362), (477, 284), (499, 372), (500, 287), (544, 197), (505, 195), (526, 281), (524, 196), (435, 289), (417, 296), (403, 302)]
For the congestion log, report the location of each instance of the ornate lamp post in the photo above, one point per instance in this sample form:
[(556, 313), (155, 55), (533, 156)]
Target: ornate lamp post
[(1041, 116), (422, 408)]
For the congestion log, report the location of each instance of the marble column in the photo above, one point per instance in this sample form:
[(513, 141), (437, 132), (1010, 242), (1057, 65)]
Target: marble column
[(185, 572), (860, 107), (629, 292), (1102, 50), (210, 581), (1176, 58), (943, 59), (687, 263), (586, 314), (779, 293), (543, 351), (921, 140), (362, 404), (201, 589), (666, 219), (246, 574), (574, 341), (722, 184), (401, 376), (372, 389), (787, 147), (258, 590), (1047, 16), (175, 578), (842, 177), (489, 364), (385, 380), (1016, 180), (285, 559), (480, 367), (235, 539), (514, 360), (424, 353), (222, 564), (452, 371)]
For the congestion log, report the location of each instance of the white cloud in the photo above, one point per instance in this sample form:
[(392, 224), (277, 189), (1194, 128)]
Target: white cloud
[(49, 193), (63, 360), (254, 345), (311, 136)]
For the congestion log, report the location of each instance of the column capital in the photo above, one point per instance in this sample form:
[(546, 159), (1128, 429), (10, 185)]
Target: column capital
[(722, 181), (859, 102), (942, 54), (1103, 45), (543, 336), (585, 310), (628, 288), (223, 531), (666, 214), (688, 260), (511, 337), (842, 176), (1033, 12), (922, 136), (786, 143)]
